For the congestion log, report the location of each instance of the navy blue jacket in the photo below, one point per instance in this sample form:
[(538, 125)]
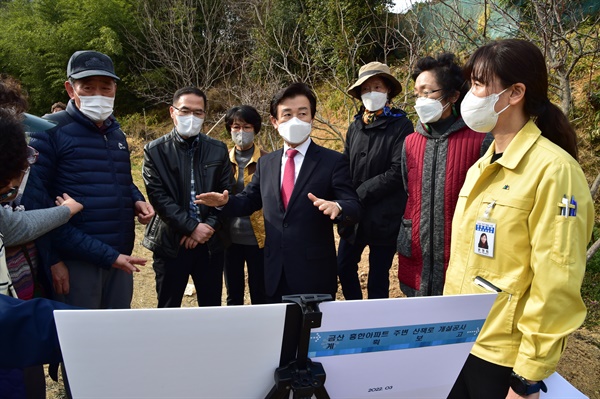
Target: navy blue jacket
[(28, 334), (92, 165)]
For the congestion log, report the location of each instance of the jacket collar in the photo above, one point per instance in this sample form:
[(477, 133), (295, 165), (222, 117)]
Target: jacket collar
[(110, 124), (456, 126), (518, 147), (254, 158), (382, 121), (185, 143)]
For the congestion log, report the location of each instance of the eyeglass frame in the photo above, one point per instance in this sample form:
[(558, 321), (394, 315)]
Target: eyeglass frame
[(14, 189), (11, 192), (185, 112), (32, 155), (426, 94)]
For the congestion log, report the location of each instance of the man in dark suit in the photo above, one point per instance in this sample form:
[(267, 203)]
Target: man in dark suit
[(291, 185)]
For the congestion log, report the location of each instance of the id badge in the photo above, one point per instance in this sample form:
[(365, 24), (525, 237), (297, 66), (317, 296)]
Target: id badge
[(485, 234)]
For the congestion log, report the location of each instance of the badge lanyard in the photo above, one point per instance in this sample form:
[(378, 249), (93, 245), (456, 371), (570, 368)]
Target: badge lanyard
[(485, 233)]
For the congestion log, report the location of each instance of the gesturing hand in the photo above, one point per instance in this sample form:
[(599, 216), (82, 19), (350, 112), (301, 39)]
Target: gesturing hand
[(69, 202), (329, 208), (212, 199), (127, 263)]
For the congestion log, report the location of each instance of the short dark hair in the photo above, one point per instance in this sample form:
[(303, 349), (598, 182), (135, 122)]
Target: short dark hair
[(244, 113), (56, 105), (190, 90), (13, 156), (448, 74), (294, 90)]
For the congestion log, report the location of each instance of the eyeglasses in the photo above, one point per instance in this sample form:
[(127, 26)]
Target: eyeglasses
[(13, 190), (186, 111), (425, 94), (10, 193), (32, 155)]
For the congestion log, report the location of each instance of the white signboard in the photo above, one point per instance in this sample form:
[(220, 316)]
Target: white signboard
[(225, 352), (389, 348)]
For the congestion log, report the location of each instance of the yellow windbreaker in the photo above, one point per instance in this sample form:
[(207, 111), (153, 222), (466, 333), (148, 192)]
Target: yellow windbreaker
[(539, 255)]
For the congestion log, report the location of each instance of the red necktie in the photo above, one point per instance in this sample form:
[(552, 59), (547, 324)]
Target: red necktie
[(289, 175)]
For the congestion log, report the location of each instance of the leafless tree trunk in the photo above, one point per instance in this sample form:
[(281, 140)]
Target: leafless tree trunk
[(185, 42), (595, 247)]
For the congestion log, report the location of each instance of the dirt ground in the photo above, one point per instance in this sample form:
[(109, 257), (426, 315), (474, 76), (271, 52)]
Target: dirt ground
[(580, 363)]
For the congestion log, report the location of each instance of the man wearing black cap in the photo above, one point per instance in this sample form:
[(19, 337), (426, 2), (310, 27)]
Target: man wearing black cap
[(87, 155)]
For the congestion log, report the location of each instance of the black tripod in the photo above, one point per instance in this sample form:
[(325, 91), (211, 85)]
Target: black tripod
[(303, 376)]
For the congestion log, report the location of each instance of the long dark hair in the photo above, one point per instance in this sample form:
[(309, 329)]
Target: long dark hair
[(519, 61)]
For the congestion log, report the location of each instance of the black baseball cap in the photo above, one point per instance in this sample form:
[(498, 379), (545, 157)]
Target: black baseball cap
[(90, 63)]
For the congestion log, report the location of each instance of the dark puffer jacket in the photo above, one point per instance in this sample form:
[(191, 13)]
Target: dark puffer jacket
[(433, 170), (92, 165), (375, 152)]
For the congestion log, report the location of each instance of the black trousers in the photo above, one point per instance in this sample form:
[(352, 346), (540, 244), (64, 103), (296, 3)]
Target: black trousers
[(235, 280), (380, 261), (480, 379), (172, 276)]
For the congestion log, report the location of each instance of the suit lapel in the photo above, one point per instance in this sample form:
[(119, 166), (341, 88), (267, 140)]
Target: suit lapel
[(274, 178), (311, 159)]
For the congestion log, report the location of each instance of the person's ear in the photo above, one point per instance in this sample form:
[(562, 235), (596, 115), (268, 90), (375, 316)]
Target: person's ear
[(70, 89), (454, 97), (172, 113), (517, 94), (274, 122)]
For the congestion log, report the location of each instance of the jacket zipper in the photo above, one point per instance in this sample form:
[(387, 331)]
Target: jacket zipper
[(431, 217)]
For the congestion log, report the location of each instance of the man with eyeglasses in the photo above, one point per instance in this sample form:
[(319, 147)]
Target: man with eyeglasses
[(184, 236), (87, 156)]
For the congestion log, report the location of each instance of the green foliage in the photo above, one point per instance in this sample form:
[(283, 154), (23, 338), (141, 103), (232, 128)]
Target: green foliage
[(39, 36), (342, 33)]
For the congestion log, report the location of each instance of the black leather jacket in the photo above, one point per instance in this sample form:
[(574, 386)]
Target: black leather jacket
[(166, 173)]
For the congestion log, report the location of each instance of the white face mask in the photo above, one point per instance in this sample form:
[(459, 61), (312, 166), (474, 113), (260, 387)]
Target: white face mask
[(96, 108), (242, 139), (429, 110), (188, 125), (294, 131), (478, 112), (374, 100)]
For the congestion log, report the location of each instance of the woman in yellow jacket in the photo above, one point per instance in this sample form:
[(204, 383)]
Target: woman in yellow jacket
[(530, 198)]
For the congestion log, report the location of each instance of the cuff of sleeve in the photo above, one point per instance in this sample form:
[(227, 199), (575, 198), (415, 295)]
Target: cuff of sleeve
[(112, 260), (65, 213), (533, 370)]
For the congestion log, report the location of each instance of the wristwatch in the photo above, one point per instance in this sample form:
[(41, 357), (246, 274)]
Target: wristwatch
[(524, 388)]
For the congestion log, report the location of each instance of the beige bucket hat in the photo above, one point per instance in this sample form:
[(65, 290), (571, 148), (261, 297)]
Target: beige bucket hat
[(375, 69)]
